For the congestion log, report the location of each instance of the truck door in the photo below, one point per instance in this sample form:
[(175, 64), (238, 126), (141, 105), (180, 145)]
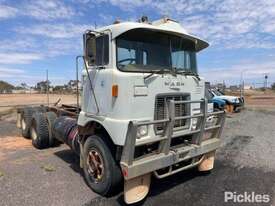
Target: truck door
[(96, 80)]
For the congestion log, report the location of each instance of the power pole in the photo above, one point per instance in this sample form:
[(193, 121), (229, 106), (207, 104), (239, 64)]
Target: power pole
[(241, 84), (265, 81), (47, 79)]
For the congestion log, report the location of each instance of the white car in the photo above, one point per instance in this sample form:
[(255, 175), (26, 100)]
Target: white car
[(234, 101)]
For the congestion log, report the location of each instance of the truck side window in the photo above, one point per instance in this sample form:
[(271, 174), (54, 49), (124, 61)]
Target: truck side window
[(102, 50), (90, 50)]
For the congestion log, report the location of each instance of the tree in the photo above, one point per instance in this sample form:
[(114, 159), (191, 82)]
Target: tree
[(72, 84), (273, 86), (42, 86), (24, 85), (5, 87)]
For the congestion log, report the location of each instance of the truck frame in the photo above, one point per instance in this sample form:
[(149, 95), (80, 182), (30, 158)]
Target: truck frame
[(143, 109)]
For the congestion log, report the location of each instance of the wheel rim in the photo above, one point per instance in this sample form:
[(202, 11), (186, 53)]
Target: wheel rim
[(33, 133), (95, 165), (23, 124)]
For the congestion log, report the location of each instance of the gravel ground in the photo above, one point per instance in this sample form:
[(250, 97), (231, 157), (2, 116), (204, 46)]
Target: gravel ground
[(38, 177), (250, 137), (52, 177)]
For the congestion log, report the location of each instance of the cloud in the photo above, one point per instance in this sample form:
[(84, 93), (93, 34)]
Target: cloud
[(251, 71), (9, 72), (60, 31), (7, 12), (48, 40), (38, 9), (47, 10), (36, 47), (19, 58), (220, 22), (18, 43)]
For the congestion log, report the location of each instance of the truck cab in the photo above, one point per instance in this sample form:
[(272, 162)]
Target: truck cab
[(141, 87), (143, 109), (134, 69)]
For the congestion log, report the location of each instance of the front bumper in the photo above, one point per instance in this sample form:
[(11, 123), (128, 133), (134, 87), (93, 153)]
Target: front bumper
[(166, 155)]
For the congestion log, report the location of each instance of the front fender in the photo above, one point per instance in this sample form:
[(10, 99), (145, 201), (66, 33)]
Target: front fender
[(117, 129)]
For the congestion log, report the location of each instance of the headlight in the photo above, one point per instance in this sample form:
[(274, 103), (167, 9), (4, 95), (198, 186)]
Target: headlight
[(194, 123), (210, 121), (142, 131)]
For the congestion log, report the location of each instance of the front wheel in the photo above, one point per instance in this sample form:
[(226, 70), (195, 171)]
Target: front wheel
[(102, 173)]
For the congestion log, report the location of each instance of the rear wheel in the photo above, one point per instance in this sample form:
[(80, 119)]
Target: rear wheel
[(51, 116), (102, 173), (39, 131), (26, 120)]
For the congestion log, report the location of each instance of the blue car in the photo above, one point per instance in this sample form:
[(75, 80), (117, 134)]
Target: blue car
[(218, 103)]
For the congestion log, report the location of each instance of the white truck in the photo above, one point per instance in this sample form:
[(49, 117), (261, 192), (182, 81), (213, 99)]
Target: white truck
[(143, 109)]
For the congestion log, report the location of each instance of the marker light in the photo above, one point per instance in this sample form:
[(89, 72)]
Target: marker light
[(115, 90)]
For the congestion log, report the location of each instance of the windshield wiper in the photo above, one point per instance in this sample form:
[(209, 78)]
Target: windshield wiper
[(160, 71), (187, 72)]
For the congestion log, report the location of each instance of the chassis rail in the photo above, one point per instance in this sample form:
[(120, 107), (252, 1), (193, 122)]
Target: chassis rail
[(165, 155)]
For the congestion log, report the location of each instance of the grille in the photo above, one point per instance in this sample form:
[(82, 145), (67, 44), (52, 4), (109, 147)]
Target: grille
[(161, 110)]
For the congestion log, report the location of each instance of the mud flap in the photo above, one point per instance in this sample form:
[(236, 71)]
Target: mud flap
[(137, 188), (207, 163)]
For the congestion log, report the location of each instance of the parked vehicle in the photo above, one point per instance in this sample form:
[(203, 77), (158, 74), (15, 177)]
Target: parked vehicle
[(143, 109), (232, 103), (218, 104)]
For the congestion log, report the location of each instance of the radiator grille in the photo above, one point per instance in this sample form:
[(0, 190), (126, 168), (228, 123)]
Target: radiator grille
[(161, 110)]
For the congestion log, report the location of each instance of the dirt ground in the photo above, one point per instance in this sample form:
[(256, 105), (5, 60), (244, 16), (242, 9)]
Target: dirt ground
[(8, 101), (258, 99), (244, 163), (37, 177)]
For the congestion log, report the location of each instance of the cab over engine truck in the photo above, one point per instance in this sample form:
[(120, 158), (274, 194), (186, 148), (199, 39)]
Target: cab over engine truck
[(143, 110)]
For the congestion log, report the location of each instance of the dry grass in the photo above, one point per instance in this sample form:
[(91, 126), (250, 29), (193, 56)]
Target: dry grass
[(48, 168)]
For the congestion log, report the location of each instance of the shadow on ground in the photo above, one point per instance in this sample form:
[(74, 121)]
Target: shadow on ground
[(193, 189), (70, 158)]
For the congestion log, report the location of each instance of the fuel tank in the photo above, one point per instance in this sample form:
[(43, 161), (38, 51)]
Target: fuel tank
[(65, 129)]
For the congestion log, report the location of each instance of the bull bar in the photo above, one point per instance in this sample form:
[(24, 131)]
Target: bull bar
[(167, 156)]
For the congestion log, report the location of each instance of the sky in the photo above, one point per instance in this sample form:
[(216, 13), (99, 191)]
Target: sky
[(39, 35)]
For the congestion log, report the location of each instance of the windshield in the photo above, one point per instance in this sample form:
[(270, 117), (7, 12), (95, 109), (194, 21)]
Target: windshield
[(144, 51), (208, 94), (216, 92)]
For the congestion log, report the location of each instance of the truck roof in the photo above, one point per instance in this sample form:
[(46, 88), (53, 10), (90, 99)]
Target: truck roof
[(165, 25)]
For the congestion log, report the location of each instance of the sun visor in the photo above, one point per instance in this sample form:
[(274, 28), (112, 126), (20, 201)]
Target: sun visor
[(122, 28)]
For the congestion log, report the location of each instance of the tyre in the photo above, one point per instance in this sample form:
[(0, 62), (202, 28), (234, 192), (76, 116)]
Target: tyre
[(19, 118), (41, 109), (26, 120), (51, 116), (39, 131), (101, 171)]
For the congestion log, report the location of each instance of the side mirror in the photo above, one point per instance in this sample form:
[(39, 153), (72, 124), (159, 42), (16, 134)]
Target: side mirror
[(89, 48)]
